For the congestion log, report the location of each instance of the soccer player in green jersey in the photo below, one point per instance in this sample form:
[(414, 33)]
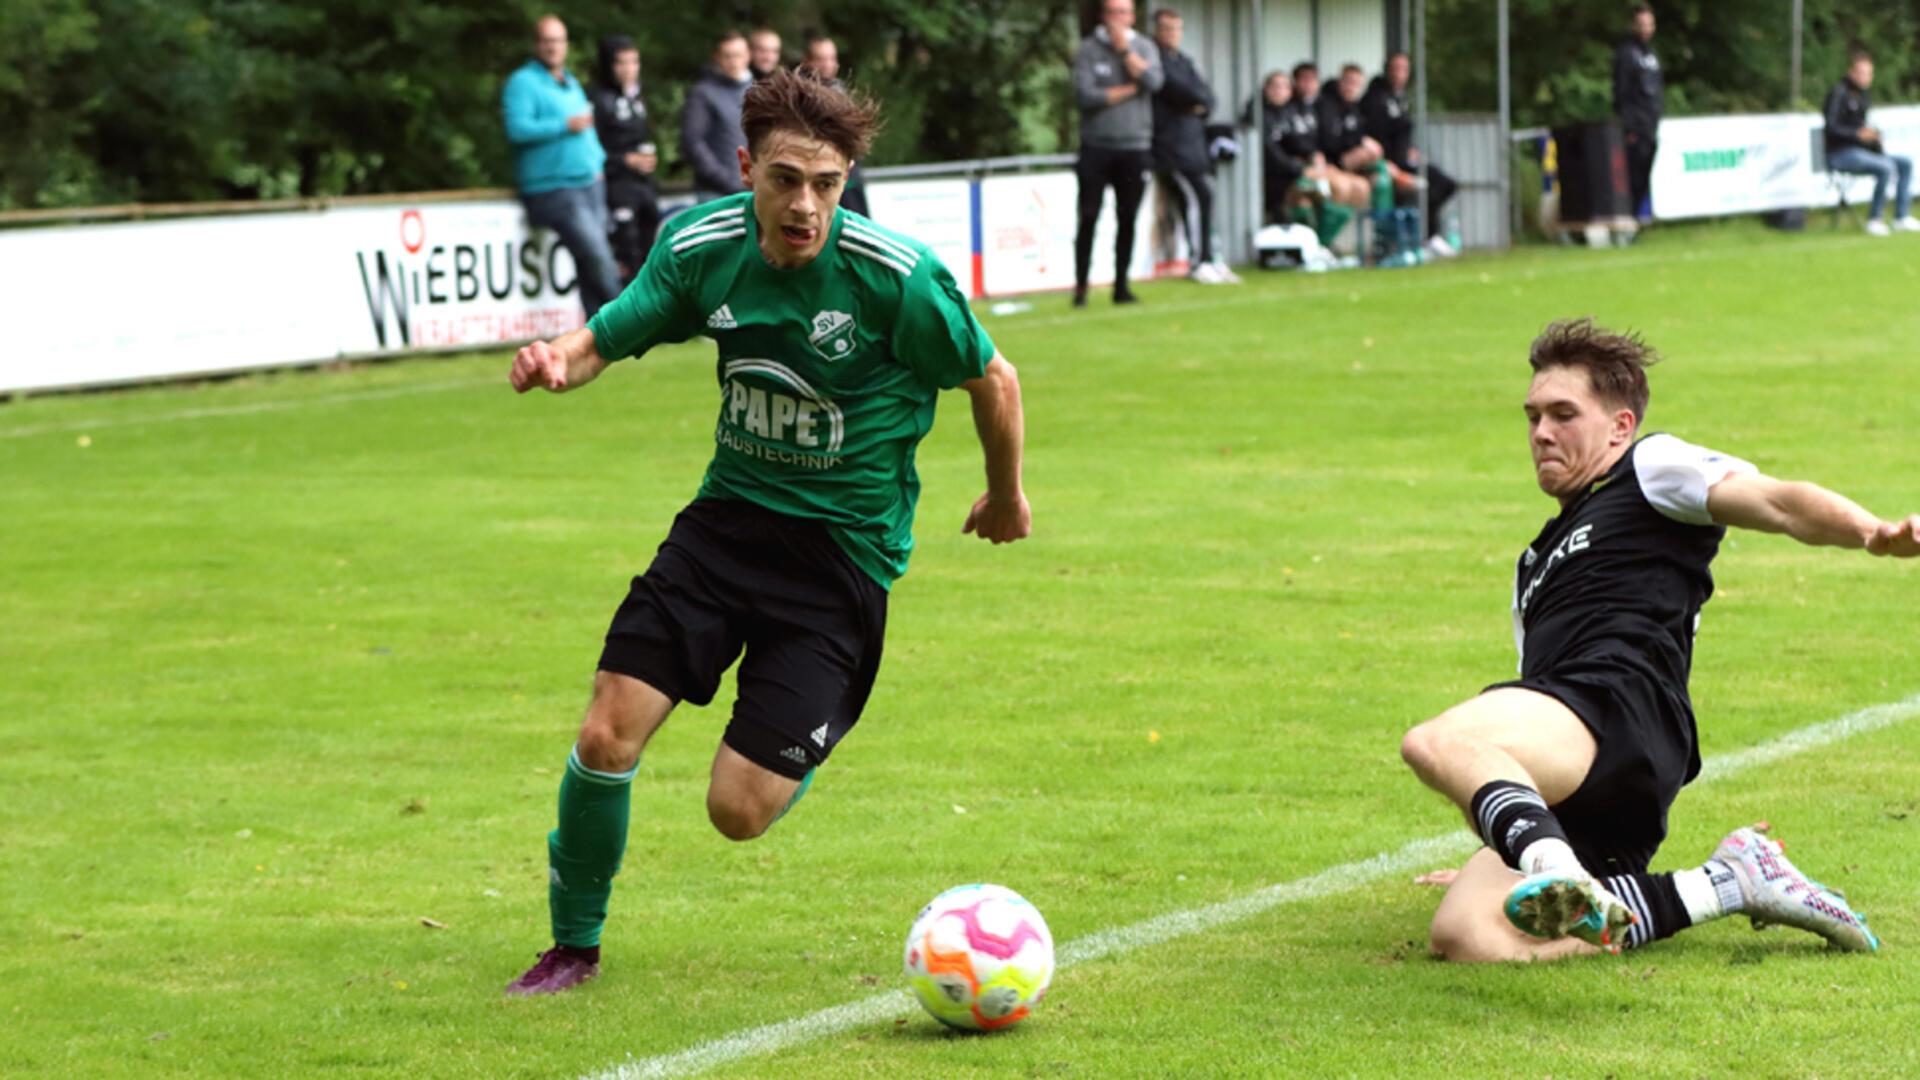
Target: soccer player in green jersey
[(835, 338)]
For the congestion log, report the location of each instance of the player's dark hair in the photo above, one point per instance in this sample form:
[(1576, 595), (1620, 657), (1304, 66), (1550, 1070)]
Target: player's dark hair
[(1305, 66), (1639, 9), (1856, 54), (1165, 13), (725, 37), (785, 101), (1616, 364)]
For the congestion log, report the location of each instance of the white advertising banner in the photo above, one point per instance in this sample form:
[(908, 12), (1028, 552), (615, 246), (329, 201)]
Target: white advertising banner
[(147, 300), (1710, 166), (134, 301), (1027, 224), (938, 213)]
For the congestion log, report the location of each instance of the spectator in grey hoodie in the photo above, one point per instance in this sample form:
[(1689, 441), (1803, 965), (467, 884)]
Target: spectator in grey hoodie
[(1115, 75), (710, 134)]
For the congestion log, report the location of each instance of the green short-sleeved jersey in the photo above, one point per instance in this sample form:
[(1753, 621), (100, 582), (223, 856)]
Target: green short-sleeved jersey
[(828, 373)]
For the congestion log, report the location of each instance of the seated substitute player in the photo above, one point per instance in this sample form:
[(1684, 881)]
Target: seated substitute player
[(835, 337), (1567, 773)]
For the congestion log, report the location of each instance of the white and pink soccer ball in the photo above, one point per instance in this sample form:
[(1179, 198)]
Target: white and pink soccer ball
[(979, 957)]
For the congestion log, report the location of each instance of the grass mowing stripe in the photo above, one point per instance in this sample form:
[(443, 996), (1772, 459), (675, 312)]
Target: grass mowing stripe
[(243, 410), (760, 1041)]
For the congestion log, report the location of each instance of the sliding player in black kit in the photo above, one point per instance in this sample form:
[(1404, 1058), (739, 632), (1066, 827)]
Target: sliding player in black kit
[(1567, 772)]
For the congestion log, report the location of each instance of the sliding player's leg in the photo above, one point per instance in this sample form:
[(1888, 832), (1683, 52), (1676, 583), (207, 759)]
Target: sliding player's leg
[(1505, 758), (1470, 926)]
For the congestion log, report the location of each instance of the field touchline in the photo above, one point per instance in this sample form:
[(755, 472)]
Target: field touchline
[(345, 397), (770, 1038)]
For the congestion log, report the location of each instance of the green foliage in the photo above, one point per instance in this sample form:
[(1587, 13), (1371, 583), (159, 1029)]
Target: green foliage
[(118, 100), (1718, 58)]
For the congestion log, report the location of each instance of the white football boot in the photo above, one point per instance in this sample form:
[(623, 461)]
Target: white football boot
[(1778, 894)]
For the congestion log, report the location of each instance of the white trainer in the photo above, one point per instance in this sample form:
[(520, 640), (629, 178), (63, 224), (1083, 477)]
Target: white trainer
[(1228, 277), (1777, 893), (1876, 227), (1440, 248), (1907, 224)]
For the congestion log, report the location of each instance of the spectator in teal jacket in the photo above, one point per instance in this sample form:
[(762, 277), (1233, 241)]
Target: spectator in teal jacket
[(557, 160)]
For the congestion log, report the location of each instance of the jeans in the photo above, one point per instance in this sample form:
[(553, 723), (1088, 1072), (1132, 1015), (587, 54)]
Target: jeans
[(1883, 168), (579, 215)]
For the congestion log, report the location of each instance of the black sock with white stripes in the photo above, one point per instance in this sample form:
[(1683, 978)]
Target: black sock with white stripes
[(1654, 901), (1669, 903), (1511, 817)]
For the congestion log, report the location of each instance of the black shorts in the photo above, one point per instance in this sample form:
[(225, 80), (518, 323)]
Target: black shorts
[(733, 576), (1645, 754)]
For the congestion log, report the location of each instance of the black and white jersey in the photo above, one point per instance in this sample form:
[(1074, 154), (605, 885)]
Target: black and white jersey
[(1616, 582)]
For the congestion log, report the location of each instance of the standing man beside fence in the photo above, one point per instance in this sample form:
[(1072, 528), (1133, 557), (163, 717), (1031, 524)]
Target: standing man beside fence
[(823, 63), (1639, 93), (710, 134), (1183, 169), (1115, 75), (557, 160)]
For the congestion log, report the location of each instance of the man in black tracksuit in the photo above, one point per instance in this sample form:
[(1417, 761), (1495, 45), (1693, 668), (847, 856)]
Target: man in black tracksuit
[(1639, 91), (1343, 138), (1115, 74), (1385, 118), (710, 133), (1181, 164), (620, 119)]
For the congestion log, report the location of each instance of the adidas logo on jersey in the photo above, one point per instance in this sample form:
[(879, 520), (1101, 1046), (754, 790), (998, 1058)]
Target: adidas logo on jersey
[(820, 736), (795, 755), (722, 319)]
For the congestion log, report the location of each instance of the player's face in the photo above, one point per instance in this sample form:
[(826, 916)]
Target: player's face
[(1861, 73), (1279, 89), (796, 184), (1168, 31), (1352, 85), (1573, 434), (1643, 26), (1307, 84)]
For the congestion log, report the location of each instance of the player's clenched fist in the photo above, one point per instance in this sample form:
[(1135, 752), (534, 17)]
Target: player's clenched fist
[(541, 365), (1897, 538)]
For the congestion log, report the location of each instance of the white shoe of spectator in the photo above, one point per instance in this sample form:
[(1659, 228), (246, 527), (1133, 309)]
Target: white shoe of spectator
[(1907, 224), (1876, 227), (1205, 274), (1228, 277), (1440, 248)]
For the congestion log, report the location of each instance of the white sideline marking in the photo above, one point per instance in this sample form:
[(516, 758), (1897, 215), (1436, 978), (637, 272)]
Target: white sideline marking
[(759, 1041), (242, 410)]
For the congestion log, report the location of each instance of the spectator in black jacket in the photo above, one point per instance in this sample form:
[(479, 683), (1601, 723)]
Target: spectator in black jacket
[(1294, 170), (1638, 98), (1301, 119), (710, 133), (1343, 136), (1182, 167), (1385, 118), (823, 63), (620, 118), (1853, 146)]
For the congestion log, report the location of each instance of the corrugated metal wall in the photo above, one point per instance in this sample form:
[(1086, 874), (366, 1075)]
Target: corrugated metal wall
[(1351, 31), (1287, 37), (1468, 147)]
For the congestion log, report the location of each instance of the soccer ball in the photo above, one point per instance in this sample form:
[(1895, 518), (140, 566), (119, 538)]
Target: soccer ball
[(979, 957)]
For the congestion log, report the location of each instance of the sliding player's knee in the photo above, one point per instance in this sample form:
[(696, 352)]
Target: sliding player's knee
[(738, 814), (1426, 746), (1465, 940)]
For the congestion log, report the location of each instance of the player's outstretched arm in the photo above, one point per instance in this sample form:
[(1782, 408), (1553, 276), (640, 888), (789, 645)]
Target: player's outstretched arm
[(1001, 515), (566, 362), (1810, 514)]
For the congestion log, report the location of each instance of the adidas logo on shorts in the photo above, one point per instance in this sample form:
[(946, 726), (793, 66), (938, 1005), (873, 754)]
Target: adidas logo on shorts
[(795, 755), (722, 319)]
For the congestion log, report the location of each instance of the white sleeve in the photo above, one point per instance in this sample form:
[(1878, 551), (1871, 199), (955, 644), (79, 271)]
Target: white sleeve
[(1676, 475)]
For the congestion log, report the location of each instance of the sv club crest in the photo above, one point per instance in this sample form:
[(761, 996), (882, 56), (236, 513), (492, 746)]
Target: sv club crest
[(832, 335)]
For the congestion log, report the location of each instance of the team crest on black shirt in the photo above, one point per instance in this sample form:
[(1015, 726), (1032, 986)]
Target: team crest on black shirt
[(832, 335)]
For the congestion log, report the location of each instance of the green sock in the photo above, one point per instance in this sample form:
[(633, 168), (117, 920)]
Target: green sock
[(805, 783), (583, 854)]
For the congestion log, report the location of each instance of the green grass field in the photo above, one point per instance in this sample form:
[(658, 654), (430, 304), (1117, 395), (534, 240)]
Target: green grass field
[(292, 662)]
